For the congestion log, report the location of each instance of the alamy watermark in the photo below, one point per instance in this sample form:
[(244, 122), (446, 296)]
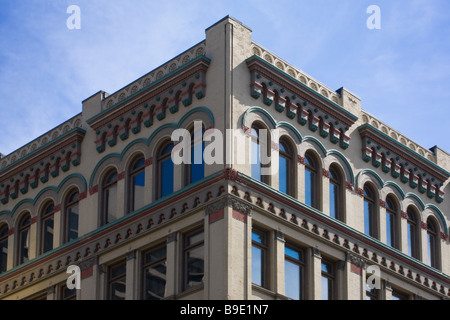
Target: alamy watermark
[(261, 150), (73, 22), (74, 280), (374, 20)]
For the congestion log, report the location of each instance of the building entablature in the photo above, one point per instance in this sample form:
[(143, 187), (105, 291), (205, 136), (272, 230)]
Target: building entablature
[(42, 163), (144, 107), (403, 163), (286, 94)]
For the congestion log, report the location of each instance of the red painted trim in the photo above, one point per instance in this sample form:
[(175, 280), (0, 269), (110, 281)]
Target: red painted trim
[(213, 217)]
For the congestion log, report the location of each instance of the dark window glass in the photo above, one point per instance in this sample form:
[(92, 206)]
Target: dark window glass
[(109, 198), (155, 274), (311, 181), (4, 231), (411, 233), (294, 272), (24, 239), (196, 169), (47, 226), (71, 217), (194, 257), (328, 281), (432, 242), (117, 281), (286, 172), (369, 212), (137, 184), (68, 294), (165, 171), (391, 222), (371, 293), (336, 194), (259, 258)]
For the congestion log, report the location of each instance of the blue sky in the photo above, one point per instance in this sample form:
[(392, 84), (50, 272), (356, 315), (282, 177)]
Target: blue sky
[(401, 71)]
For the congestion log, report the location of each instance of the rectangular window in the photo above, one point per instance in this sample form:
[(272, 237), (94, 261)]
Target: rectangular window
[(259, 258), (293, 272), (194, 257), (154, 271), (67, 294), (116, 281), (328, 281)]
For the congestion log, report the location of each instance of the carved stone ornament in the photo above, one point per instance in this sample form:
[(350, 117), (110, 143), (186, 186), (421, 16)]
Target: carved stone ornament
[(229, 201)]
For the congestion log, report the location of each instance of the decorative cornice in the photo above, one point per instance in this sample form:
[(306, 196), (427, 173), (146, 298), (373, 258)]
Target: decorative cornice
[(49, 161)]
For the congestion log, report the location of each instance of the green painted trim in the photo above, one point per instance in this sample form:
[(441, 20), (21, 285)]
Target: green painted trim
[(258, 109), (439, 212), (395, 186), (407, 149), (102, 113), (291, 127), (38, 150), (73, 176), (373, 173), (316, 141), (414, 196), (150, 138), (349, 114), (343, 158), (94, 172)]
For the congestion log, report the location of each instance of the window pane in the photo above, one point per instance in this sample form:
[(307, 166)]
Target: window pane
[(389, 229), (255, 157), (166, 177), (431, 252), (138, 185), (3, 254), (258, 237), (72, 223), (309, 188), (25, 245), (333, 200), (368, 218), (326, 288), (118, 290), (111, 203), (155, 274), (155, 282), (297, 255), (48, 234), (197, 169), (194, 266), (257, 265), (410, 239), (292, 280), (283, 174)]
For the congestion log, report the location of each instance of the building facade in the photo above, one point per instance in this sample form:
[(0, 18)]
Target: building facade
[(347, 208)]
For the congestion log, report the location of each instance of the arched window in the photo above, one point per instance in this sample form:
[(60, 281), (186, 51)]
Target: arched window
[(109, 198), (136, 184), (24, 239), (336, 194), (47, 227), (286, 172), (370, 212), (260, 143), (311, 181), (71, 212), (4, 232), (165, 174), (432, 243), (391, 222), (195, 170), (412, 232)]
